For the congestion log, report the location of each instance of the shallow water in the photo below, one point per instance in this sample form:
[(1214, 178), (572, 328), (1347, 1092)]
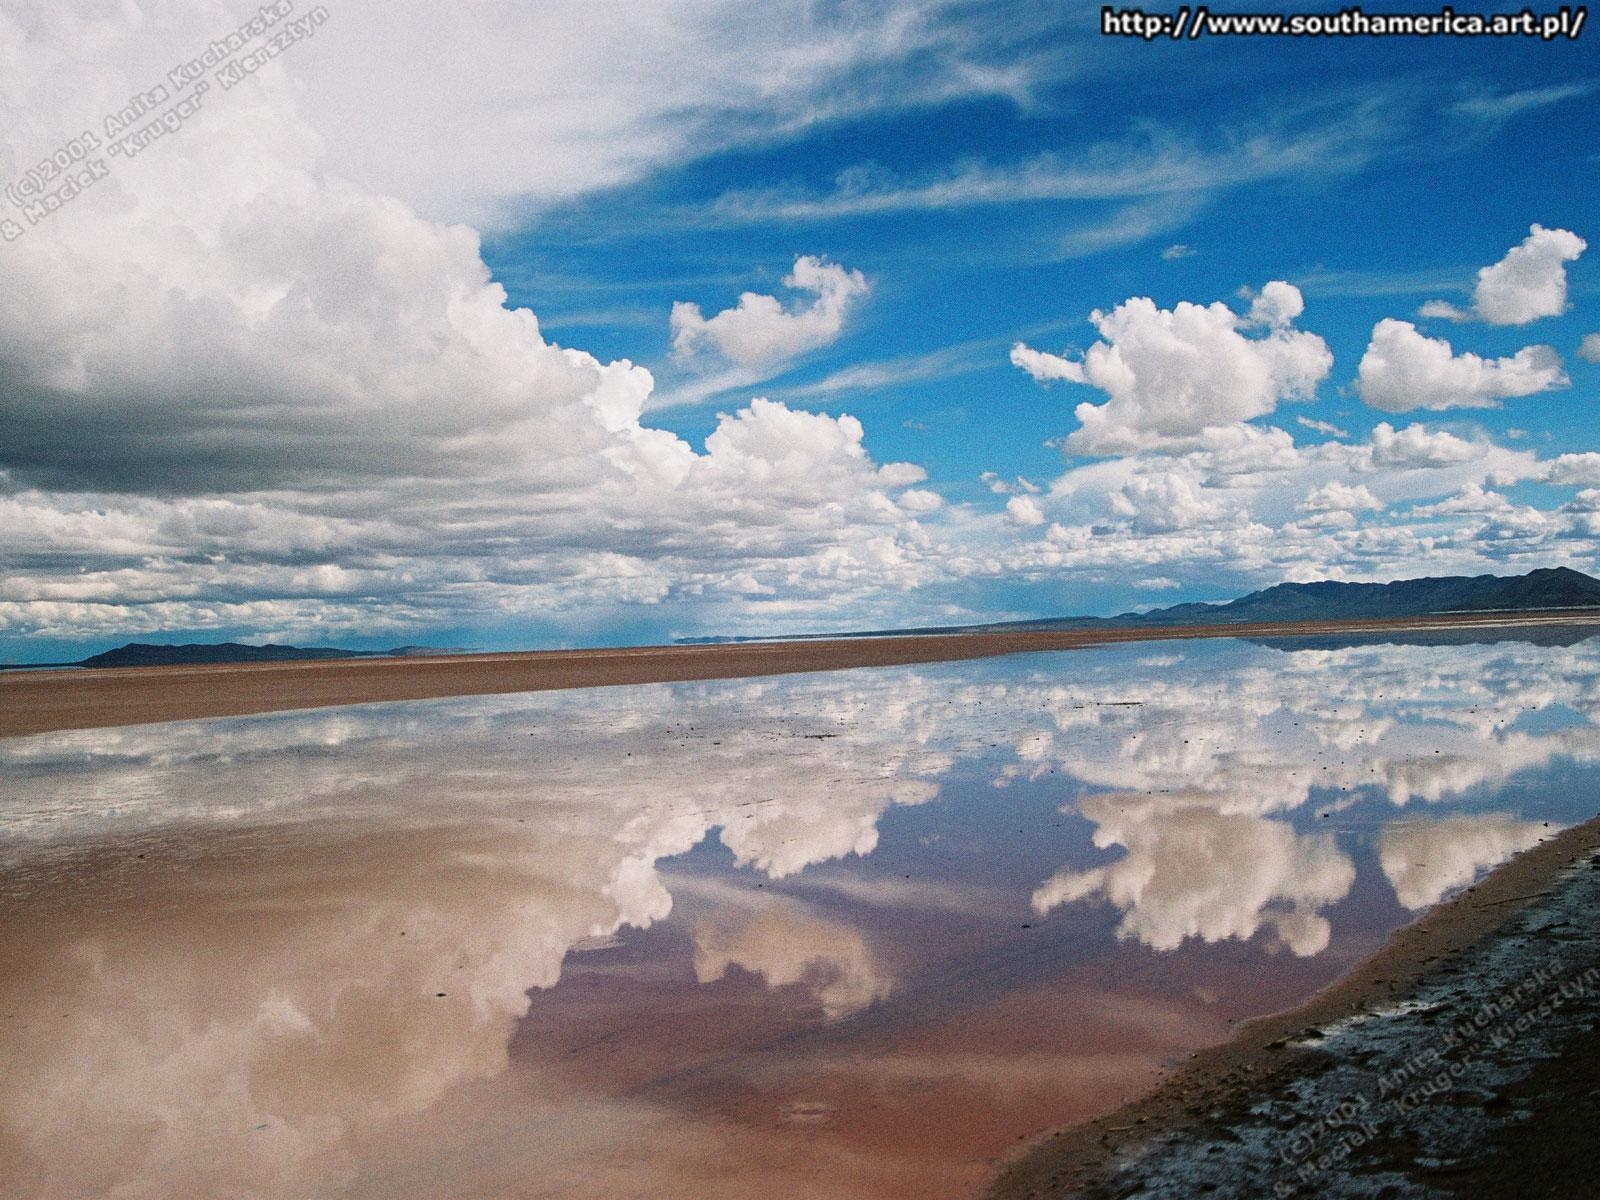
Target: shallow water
[(840, 935)]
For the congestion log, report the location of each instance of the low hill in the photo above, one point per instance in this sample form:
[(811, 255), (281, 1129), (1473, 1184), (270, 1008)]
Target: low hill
[(143, 654)]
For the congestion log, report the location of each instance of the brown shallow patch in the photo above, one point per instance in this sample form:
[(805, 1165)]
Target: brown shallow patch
[(42, 701), (1228, 1078)]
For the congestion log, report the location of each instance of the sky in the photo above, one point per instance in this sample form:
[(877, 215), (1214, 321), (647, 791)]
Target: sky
[(512, 325)]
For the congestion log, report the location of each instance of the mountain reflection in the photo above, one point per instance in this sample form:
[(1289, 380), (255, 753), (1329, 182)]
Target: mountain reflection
[(238, 957)]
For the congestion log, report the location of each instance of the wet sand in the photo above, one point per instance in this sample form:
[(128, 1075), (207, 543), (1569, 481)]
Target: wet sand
[(44, 701), (1457, 1061)]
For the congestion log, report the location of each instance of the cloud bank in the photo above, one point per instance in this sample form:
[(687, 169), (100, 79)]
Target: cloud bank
[(240, 391)]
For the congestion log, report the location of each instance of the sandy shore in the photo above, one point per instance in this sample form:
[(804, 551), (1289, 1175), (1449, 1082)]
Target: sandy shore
[(1458, 1061), (42, 701)]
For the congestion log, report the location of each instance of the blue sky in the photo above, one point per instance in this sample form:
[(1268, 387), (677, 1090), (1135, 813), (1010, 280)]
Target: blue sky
[(261, 382)]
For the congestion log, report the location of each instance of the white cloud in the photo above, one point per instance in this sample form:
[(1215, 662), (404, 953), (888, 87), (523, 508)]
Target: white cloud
[(1495, 109), (1157, 165), (1161, 502), (1178, 250), (1530, 282), (1316, 426), (1045, 367), (920, 500), (759, 333), (1024, 511), (1173, 373), (615, 95), (1573, 470), (380, 440), (1443, 310), (1277, 305), (1404, 370), (1250, 509), (1129, 223), (1416, 446), (1020, 486), (1589, 348), (1470, 499), (1340, 497), (944, 363)]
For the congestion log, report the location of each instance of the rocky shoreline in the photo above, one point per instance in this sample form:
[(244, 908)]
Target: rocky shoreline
[(1458, 1062)]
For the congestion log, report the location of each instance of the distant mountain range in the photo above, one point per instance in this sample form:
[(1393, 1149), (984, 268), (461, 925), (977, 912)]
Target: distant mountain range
[(1548, 588), (1543, 589)]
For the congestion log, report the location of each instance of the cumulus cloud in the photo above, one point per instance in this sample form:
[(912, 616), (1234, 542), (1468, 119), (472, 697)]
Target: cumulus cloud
[(1173, 373), (1276, 305), (1589, 348), (1473, 498), (1340, 497), (1417, 446), (1530, 282), (759, 332), (1162, 502), (296, 406), (1403, 369), (245, 389), (1574, 470), (1249, 508), (1024, 511)]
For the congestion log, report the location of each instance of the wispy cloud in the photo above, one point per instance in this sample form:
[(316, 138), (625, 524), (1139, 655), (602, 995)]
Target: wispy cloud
[(1326, 427), (960, 359), (1323, 282), (1132, 223), (1495, 109), (1158, 164)]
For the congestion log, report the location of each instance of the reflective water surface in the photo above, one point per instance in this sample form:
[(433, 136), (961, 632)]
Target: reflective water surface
[(842, 935)]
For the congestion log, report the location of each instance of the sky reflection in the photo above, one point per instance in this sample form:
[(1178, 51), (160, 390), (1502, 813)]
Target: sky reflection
[(851, 933)]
